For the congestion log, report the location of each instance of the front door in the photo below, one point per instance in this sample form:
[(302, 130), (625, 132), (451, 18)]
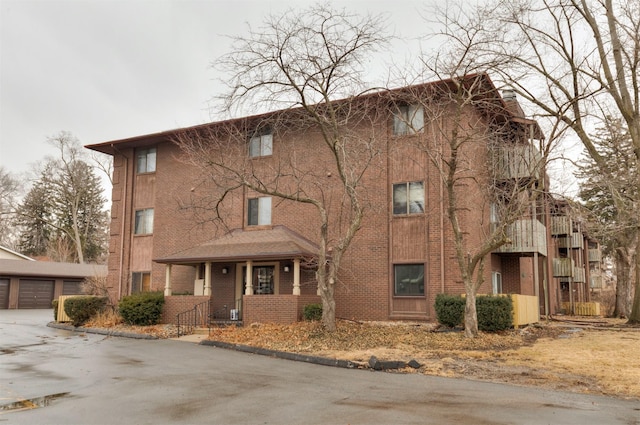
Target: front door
[(263, 283), (264, 279)]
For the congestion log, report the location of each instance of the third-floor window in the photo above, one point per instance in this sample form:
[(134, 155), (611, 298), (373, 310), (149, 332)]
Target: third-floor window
[(146, 160), (261, 145)]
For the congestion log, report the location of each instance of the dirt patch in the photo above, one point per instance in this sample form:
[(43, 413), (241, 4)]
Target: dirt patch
[(589, 357)]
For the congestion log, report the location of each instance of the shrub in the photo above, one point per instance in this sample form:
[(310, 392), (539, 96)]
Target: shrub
[(81, 309), (449, 309), (54, 304), (494, 313), (142, 309), (312, 311)]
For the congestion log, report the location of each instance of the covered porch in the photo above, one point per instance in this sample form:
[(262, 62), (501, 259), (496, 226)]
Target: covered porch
[(246, 275)]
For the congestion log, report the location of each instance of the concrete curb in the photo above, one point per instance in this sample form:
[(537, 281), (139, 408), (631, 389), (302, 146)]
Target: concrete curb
[(100, 331), (283, 355)]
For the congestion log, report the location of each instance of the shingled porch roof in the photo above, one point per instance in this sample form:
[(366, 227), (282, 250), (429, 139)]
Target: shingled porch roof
[(279, 242)]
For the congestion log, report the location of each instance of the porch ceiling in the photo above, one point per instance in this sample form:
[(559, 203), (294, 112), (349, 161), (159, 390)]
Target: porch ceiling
[(241, 245)]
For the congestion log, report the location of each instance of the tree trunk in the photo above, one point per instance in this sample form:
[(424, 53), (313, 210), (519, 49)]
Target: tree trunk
[(634, 316), (470, 316), (623, 284)]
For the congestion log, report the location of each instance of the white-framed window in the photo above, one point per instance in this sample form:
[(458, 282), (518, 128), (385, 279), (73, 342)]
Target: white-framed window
[(408, 279), (496, 282), (259, 211), (144, 222), (146, 160), (140, 282), (261, 145), (408, 198), (408, 119)]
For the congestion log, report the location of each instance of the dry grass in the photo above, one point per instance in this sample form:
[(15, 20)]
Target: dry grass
[(550, 355), (111, 320)]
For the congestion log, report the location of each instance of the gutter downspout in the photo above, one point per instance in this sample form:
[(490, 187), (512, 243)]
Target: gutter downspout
[(122, 220)]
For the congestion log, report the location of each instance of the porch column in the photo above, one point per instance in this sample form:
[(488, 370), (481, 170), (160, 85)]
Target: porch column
[(248, 290), (167, 280), (207, 278), (296, 276)]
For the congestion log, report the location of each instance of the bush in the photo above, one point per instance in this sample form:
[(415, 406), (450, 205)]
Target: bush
[(81, 309), (449, 310), (312, 311), (142, 309), (54, 304), (494, 313)]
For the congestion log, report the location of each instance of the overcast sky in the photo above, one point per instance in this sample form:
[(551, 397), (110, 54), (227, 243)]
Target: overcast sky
[(111, 69)]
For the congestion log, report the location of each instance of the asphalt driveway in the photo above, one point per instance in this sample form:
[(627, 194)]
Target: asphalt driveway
[(53, 376)]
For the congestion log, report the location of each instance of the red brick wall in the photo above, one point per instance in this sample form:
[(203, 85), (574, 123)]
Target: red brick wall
[(364, 290), (177, 304), (282, 309)]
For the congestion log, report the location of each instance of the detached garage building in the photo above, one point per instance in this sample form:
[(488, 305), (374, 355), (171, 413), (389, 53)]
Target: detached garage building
[(25, 283)]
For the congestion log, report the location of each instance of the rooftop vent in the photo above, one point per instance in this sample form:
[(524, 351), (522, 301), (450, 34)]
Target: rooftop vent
[(509, 94)]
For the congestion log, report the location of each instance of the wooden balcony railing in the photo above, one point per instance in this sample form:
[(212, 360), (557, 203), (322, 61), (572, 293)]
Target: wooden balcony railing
[(516, 161), (595, 255), (561, 225), (527, 236), (579, 274), (574, 241), (563, 267)]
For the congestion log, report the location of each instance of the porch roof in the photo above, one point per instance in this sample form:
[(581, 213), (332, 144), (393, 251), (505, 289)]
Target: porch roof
[(241, 245)]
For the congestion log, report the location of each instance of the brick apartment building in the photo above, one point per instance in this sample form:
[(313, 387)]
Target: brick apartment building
[(260, 261)]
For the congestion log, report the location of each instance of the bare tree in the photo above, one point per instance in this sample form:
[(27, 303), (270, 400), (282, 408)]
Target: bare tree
[(611, 197), (300, 63), (577, 61), (63, 212), (486, 164), (9, 190)]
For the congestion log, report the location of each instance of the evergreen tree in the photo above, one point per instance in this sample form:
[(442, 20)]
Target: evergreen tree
[(63, 214)]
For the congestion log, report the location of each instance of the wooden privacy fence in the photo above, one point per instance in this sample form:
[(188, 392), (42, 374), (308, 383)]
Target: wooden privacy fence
[(62, 316), (525, 309), (582, 309)]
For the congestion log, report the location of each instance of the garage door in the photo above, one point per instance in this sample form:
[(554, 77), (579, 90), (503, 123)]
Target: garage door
[(35, 293), (72, 287), (4, 293)]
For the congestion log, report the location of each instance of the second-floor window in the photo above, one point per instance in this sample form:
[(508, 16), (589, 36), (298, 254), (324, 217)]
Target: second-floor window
[(408, 119), (408, 198), (259, 211), (144, 222), (261, 145), (146, 160)]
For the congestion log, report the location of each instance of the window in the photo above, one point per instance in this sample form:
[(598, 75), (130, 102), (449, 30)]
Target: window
[(259, 211), (144, 222), (140, 282), (146, 159), (408, 198), (408, 119), (260, 145), (409, 279), (496, 282)]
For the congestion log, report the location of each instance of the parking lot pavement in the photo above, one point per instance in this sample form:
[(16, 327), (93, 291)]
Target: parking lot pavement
[(79, 378)]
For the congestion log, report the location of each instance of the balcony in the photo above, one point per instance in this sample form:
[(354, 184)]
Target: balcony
[(516, 161), (574, 241), (527, 236), (563, 267), (595, 282), (579, 274), (595, 255), (561, 225)]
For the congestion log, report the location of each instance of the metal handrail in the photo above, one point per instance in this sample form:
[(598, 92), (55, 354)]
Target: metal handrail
[(188, 320)]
